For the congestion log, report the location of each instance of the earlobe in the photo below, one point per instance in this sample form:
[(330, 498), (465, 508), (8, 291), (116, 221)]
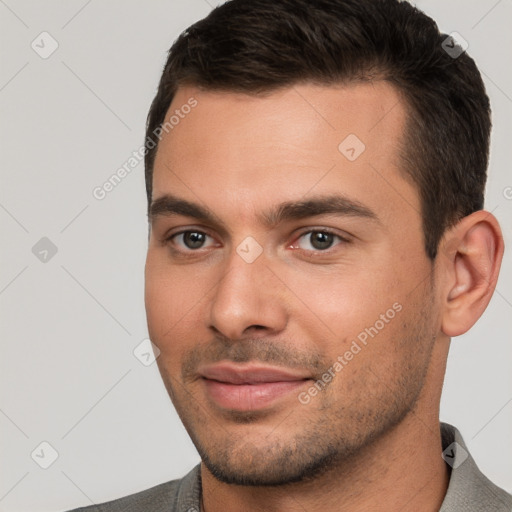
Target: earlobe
[(471, 270)]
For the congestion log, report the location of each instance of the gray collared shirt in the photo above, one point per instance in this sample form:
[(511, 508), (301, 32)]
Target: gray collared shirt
[(468, 491)]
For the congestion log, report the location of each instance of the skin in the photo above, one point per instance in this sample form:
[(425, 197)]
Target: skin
[(370, 439)]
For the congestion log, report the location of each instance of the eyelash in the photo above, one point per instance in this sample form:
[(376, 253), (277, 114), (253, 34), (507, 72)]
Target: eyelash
[(341, 240), (170, 238)]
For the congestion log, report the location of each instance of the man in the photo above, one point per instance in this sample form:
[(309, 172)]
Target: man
[(315, 175)]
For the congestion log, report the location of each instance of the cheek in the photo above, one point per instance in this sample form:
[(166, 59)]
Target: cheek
[(171, 298), (357, 326), (338, 304)]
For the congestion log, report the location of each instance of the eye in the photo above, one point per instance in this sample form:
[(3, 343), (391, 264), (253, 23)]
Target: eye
[(318, 240), (191, 240)]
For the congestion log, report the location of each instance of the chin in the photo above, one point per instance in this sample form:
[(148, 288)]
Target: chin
[(250, 465)]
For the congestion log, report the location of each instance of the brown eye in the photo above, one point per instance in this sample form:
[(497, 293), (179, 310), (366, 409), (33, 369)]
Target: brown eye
[(191, 239), (317, 240), (320, 240)]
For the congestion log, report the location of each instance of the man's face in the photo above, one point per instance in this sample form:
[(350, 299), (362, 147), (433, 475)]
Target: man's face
[(287, 285)]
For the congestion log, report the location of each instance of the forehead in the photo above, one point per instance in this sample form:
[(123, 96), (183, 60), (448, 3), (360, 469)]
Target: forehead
[(300, 140)]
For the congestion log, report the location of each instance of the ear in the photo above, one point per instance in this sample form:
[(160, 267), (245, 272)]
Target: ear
[(470, 256)]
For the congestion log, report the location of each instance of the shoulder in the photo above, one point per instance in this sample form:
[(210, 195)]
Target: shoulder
[(469, 489), (181, 495)]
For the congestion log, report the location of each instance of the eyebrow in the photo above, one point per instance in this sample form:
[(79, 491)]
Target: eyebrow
[(169, 205), (323, 205)]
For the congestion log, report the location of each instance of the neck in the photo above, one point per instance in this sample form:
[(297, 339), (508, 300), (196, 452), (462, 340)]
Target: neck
[(402, 470)]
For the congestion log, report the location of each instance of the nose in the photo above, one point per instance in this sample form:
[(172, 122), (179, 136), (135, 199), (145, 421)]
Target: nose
[(248, 301)]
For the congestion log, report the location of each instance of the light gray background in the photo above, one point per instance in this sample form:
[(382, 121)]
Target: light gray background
[(70, 325)]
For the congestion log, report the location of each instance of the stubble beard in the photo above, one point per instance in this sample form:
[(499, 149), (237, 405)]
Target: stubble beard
[(329, 437)]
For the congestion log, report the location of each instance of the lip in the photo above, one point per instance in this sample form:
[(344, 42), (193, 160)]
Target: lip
[(249, 387)]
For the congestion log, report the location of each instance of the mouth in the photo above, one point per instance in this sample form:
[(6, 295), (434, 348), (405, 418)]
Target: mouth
[(249, 387)]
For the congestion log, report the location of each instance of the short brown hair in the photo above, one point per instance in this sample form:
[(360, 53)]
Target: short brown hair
[(257, 46)]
